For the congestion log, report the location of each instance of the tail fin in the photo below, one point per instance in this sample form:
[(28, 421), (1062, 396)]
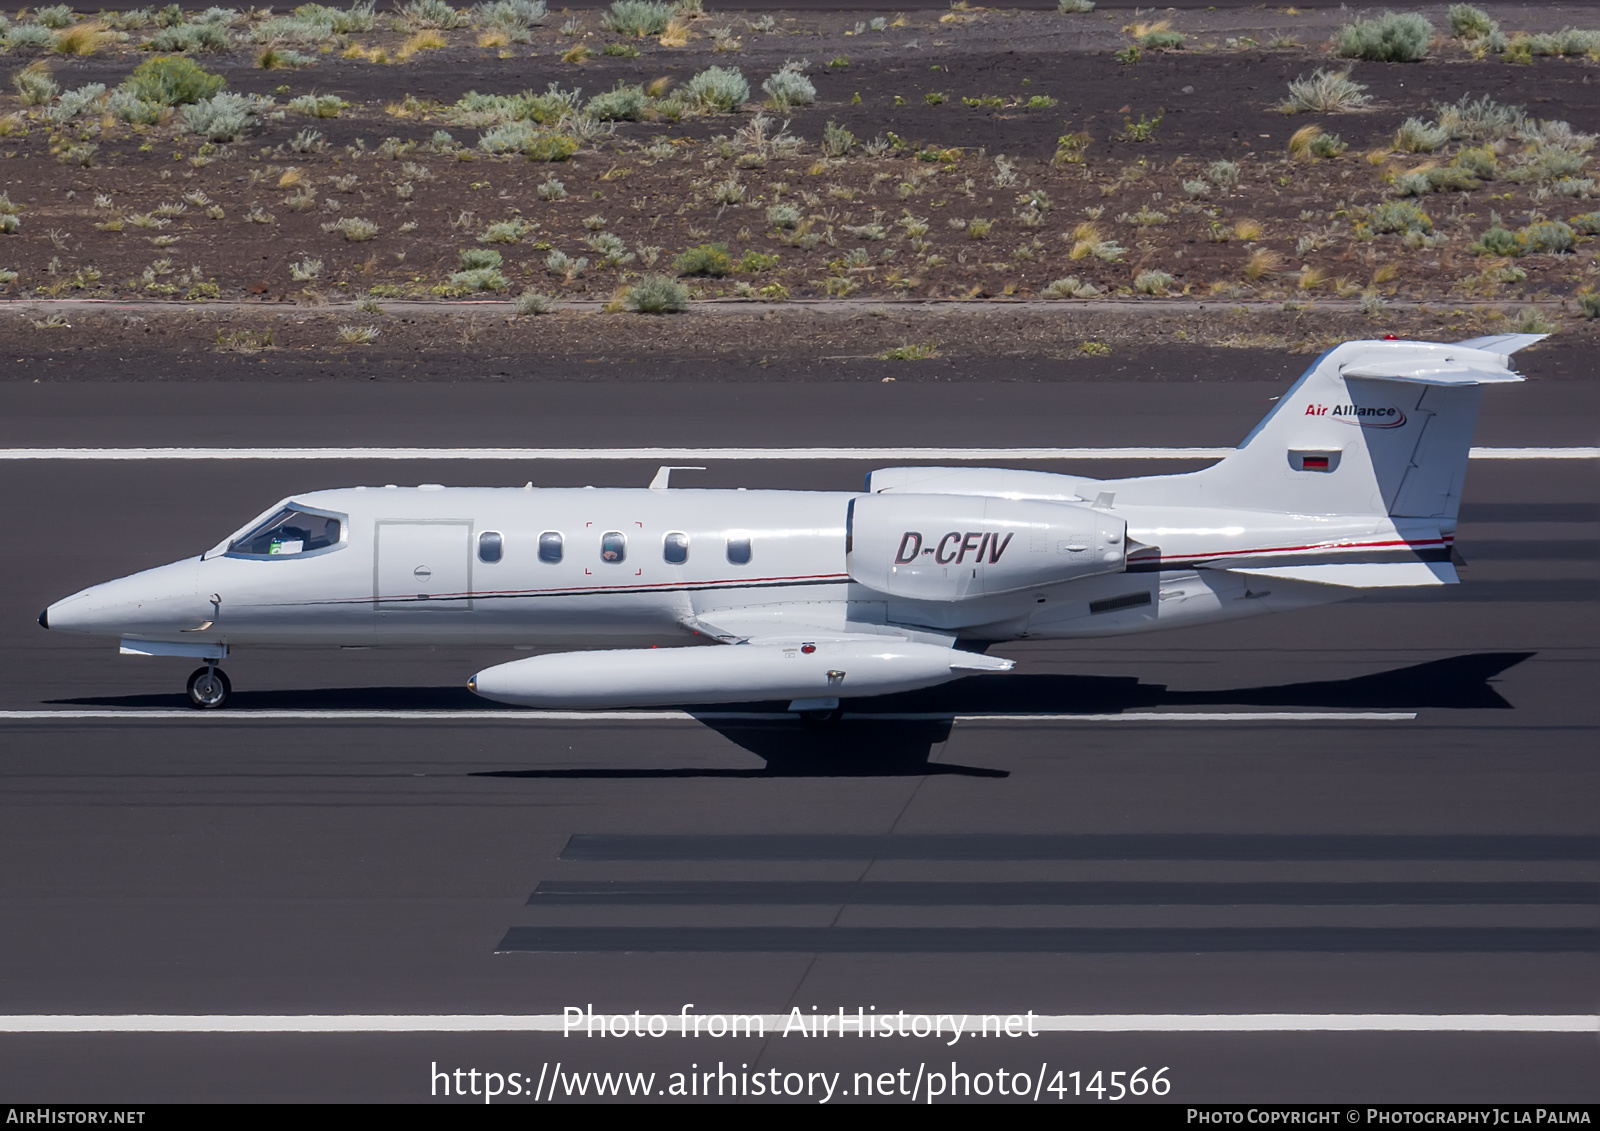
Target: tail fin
[(1373, 427)]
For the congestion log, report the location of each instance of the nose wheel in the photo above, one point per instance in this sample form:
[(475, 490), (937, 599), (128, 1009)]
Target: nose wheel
[(209, 688)]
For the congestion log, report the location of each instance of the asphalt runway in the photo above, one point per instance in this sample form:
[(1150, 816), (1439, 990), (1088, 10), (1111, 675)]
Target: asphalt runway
[(1432, 850)]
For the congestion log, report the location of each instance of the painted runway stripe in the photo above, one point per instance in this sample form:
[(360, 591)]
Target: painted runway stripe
[(491, 716), (1577, 1023), (961, 455)]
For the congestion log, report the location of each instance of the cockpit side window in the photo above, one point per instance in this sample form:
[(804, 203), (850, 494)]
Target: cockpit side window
[(290, 531)]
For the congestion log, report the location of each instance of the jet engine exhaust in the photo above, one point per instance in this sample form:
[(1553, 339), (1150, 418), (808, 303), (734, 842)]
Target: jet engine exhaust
[(658, 677)]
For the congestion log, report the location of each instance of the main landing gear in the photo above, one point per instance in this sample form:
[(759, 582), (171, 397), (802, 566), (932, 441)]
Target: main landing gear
[(209, 687)]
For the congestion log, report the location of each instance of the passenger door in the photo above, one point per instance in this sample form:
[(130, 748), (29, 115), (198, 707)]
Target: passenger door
[(423, 567)]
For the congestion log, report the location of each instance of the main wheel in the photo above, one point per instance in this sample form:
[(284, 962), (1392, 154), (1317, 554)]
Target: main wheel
[(823, 718), (209, 688)]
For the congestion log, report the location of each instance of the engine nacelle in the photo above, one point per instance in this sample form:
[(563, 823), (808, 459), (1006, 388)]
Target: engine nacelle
[(956, 547)]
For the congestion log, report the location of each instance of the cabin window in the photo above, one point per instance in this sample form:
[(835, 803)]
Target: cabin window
[(739, 550), (490, 546), (290, 531), (675, 548), (550, 547), (613, 547)]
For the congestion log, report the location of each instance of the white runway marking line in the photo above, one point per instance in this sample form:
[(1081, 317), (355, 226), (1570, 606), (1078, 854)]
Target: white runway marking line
[(270, 715), (960, 455), (1587, 1024)]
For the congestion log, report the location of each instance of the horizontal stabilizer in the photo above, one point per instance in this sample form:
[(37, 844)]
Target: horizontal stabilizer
[(1503, 344), (1362, 575), (1430, 372)]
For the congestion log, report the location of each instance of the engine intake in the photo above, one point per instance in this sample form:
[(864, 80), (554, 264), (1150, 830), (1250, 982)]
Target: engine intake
[(957, 547)]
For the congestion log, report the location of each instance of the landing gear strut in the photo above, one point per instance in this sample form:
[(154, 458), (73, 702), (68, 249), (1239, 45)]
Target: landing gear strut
[(209, 687)]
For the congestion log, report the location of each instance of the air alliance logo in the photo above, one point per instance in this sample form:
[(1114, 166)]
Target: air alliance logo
[(1368, 416)]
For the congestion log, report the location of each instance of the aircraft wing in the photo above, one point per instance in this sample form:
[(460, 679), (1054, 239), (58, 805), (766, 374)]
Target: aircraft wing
[(806, 622), (1361, 575)]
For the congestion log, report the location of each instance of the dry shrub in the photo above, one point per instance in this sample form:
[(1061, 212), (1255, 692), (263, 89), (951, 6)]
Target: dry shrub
[(1263, 261)]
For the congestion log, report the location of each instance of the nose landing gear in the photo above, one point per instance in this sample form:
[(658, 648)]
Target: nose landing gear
[(209, 687)]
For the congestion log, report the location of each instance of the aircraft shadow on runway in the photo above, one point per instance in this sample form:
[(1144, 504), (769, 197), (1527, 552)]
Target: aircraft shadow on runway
[(863, 745)]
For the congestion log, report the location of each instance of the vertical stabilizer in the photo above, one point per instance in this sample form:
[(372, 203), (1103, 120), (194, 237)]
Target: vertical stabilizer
[(1373, 427)]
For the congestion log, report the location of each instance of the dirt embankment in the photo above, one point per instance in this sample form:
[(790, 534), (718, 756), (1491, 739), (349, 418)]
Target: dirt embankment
[(992, 155)]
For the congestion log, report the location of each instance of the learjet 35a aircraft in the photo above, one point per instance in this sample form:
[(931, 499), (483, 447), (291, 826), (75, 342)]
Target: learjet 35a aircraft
[(1352, 482)]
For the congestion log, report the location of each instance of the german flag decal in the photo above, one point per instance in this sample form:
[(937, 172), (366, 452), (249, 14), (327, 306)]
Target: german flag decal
[(1314, 461)]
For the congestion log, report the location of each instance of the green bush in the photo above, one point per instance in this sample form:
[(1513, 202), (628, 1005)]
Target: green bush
[(638, 17), (29, 35), (1548, 237), (1162, 40), (1481, 119), (1399, 216), (1418, 136), (1480, 161), (1452, 178), (624, 104), (1588, 223), (358, 17), (784, 216), (1394, 37), (133, 109), (1074, 7), (318, 105), (836, 140), (532, 302), (1469, 22), (548, 146), (34, 85), (526, 138), (707, 259), (430, 14), (477, 279), (172, 80), (1498, 241), (509, 15), (479, 258), (1589, 304), (57, 17), (1328, 145), (657, 294), (755, 262), (212, 37), (719, 88), (1152, 282), (790, 87), (223, 117)]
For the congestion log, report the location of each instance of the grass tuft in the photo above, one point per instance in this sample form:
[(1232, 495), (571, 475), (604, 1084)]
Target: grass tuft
[(911, 351), (1326, 92)]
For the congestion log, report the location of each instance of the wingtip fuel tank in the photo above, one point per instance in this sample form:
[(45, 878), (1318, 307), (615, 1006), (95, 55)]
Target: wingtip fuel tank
[(654, 677)]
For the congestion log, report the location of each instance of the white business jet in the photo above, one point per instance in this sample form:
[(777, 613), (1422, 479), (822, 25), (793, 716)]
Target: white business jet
[(1352, 482)]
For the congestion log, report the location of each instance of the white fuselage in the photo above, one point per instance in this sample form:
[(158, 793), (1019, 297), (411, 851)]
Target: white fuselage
[(409, 569), (1352, 482)]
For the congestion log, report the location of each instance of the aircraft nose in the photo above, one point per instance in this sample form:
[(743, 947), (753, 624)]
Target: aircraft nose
[(155, 601)]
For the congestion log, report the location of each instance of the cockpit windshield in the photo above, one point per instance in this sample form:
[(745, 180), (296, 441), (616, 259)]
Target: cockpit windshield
[(290, 531)]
